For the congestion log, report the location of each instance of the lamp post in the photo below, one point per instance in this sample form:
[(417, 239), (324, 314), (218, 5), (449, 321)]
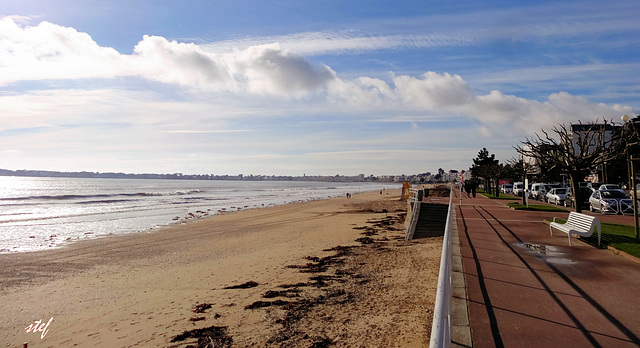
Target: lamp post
[(524, 183), (563, 175), (632, 184)]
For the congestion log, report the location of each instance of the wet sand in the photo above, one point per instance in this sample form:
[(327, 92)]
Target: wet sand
[(334, 272)]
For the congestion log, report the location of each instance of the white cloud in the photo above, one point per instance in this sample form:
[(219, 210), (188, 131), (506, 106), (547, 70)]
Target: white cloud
[(434, 91), (267, 69), (49, 51), (258, 81), (451, 94), (209, 131), (362, 92), (318, 43), (161, 60)]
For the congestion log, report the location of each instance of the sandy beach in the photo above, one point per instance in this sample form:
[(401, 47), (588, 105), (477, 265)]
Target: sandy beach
[(333, 272)]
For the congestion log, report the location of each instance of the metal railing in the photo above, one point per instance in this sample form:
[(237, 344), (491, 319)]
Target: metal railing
[(415, 213), (441, 327), (413, 195)]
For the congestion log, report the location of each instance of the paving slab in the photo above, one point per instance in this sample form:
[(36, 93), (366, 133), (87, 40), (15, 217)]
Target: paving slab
[(526, 288)]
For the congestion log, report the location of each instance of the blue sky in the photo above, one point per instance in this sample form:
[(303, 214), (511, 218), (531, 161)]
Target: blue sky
[(303, 87)]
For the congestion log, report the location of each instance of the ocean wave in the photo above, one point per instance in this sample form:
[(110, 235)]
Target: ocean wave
[(14, 214), (105, 201), (77, 197), (126, 213)]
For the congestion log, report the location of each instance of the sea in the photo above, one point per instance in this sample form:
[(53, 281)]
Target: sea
[(39, 213)]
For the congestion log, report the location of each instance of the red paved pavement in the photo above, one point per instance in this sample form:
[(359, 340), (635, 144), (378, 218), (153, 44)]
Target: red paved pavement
[(526, 288)]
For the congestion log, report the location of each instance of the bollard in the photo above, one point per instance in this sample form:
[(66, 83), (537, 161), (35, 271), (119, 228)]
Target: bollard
[(419, 196), (426, 192)]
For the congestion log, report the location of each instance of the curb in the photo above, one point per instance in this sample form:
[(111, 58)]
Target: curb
[(623, 254), (460, 325)]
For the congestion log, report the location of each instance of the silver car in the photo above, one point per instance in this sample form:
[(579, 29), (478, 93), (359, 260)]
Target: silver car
[(610, 202), (556, 195), (610, 187)]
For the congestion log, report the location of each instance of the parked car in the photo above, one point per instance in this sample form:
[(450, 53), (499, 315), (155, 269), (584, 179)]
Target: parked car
[(518, 188), (506, 188), (611, 187), (542, 193), (594, 185), (585, 194), (612, 202), (535, 190), (556, 195)]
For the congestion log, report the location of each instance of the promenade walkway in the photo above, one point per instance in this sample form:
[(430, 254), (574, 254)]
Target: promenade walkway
[(526, 288)]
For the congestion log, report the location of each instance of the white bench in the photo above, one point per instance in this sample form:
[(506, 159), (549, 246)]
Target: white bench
[(577, 224)]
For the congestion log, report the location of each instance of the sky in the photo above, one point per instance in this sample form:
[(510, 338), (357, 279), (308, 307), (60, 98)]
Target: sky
[(295, 87)]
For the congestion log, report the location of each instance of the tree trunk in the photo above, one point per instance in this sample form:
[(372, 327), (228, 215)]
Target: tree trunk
[(577, 195)]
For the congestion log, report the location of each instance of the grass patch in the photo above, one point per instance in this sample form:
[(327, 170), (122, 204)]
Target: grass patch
[(536, 207), (619, 236)]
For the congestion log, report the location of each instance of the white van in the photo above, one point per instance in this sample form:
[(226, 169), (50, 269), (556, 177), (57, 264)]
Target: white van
[(518, 188), (535, 191), (506, 188)]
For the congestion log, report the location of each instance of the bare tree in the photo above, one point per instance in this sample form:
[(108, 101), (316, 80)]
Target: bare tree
[(575, 151), (626, 140)]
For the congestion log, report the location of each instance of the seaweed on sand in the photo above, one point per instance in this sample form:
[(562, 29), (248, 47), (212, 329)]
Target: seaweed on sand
[(201, 308), (262, 304), (247, 285), (297, 310), (296, 285), (291, 292), (365, 240), (214, 336), (370, 231), (341, 250), (318, 265), (322, 342)]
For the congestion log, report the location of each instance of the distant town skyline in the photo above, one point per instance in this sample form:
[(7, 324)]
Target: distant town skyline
[(440, 176), (300, 87)]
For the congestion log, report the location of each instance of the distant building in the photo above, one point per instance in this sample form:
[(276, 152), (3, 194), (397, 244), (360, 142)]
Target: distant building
[(580, 131)]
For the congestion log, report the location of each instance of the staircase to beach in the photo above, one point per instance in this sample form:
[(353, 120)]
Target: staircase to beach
[(431, 221)]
